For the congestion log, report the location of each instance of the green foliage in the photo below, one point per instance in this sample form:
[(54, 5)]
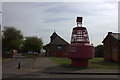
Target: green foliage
[(45, 47), (11, 38), (32, 43), (99, 51), (61, 61), (94, 63), (99, 63)]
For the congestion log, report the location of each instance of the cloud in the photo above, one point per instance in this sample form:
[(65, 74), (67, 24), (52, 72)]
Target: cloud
[(42, 18)]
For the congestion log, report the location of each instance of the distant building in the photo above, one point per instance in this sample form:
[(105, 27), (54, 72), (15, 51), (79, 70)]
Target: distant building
[(57, 46), (112, 47), (7, 54)]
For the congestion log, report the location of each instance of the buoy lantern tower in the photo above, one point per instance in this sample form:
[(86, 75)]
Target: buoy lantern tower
[(80, 49)]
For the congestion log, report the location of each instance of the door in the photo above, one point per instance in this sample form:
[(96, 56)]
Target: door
[(59, 53), (115, 55)]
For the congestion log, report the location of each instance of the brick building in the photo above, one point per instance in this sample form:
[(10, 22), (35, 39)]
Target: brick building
[(57, 46), (112, 47)]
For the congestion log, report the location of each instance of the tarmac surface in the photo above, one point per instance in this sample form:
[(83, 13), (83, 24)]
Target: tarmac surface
[(43, 67)]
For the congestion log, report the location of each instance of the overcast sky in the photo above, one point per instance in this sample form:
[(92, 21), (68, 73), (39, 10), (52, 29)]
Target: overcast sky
[(42, 18)]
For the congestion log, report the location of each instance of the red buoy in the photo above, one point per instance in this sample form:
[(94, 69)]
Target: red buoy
[(80, 49)]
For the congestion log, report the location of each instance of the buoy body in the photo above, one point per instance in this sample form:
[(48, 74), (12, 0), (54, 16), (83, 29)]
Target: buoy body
[(80, 51)]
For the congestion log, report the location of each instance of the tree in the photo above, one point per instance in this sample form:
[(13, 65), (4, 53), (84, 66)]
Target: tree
[(11, 39), (45, 47), (99, 51), (32, 43)]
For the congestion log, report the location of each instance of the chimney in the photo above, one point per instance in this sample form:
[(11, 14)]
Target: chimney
[(109, 33)]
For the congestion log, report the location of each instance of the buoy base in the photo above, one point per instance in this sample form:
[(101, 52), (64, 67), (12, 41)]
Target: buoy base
[(79, 62)]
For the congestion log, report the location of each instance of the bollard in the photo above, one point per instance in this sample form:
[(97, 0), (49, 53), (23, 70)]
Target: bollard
[(19, 65)]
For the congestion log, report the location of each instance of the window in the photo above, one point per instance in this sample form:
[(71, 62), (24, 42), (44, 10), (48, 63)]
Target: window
[(59, 47)]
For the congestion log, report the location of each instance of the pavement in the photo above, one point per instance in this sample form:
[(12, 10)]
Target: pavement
[(10, 67), (43, 67)]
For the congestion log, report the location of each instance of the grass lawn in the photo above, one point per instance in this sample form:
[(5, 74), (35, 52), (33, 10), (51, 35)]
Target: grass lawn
[(30, 56), (6, 59), (0, 58), (94, 63)]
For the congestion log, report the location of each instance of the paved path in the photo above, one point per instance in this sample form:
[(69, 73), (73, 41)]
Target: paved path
[(43, 67), (46, 68), (10, 68), (44, 64)]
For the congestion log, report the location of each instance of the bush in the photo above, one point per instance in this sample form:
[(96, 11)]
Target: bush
[(99, 51)]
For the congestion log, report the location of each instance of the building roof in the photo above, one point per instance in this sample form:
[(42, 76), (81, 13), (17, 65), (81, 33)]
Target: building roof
[(114, 35), (54, 34), (57, 40)]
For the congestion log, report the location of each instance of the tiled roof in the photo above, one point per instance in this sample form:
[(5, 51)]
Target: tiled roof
[(54, 34), (116, 35), (58, 40)]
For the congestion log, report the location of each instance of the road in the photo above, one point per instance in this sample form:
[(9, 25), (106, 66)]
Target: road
[(43, 67), (11, 67)]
